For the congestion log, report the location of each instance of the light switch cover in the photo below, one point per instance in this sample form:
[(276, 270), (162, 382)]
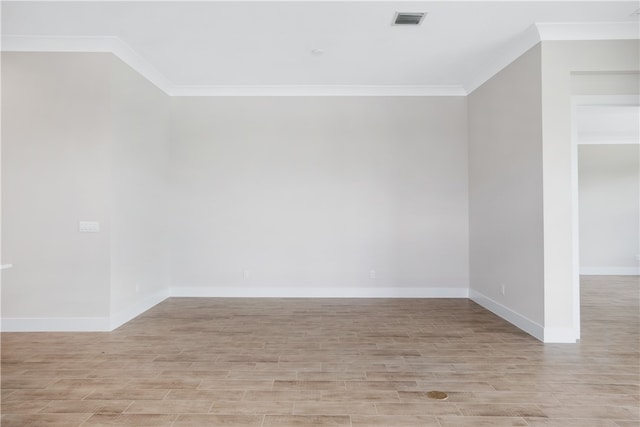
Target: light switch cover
[(89, 227)]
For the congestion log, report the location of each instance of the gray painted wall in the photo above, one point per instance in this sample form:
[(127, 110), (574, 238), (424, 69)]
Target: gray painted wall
[(83, 138), (139, 149), (505, 189), (306, 192), (56, 136), (316, 192), (609, 177)]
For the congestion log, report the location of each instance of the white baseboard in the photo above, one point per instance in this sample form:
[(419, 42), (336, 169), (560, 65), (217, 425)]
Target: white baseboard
[(560, 335), (300, 292), (55, 324), (120, 318), (81, 324), (105, 324), (522, 322), (610, 271), (546, 335)]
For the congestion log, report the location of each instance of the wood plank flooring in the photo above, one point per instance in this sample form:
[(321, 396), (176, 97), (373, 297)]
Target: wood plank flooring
[(320, 362)]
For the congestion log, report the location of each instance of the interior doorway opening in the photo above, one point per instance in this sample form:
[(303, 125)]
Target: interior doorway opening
[(606, 188)]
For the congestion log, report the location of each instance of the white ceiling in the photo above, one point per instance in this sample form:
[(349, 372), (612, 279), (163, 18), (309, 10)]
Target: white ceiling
[(190, 46)]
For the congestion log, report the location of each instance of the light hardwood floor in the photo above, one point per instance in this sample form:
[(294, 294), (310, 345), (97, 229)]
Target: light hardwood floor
[(313, 362)]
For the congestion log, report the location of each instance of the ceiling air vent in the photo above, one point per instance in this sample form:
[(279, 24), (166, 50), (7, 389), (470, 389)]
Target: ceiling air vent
[(413, 18)]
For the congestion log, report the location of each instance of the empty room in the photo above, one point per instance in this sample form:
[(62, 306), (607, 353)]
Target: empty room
[(320, 213)]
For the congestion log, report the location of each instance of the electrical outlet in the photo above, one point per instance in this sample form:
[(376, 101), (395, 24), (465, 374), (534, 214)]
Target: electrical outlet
[(89, 227), (503, 288), (372, 274)]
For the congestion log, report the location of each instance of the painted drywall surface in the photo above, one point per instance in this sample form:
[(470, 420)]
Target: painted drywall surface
[(317, 192), (139, 154), (559, 60), (609, 179), (505, 188), (605, 84), (55, 172)]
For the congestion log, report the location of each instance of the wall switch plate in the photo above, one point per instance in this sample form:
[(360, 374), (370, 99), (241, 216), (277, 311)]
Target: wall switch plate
[(372, 274), (89, 227), (245, 274)]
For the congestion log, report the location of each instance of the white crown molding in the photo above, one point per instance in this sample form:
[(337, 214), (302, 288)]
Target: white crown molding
[(318, 90), (492, 65), (316, 292), (113, 45), (14, 43), (540, 32), (629, 30), (503, 57)]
